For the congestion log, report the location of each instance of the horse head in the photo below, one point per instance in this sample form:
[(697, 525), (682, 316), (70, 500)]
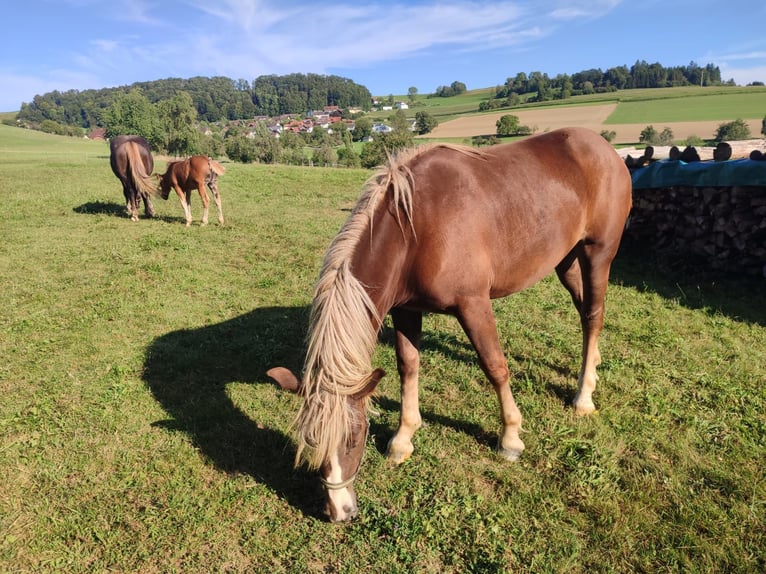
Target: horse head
[(164, 182), (339, 466)]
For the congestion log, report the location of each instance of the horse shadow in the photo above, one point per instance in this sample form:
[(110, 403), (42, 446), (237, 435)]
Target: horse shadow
[(101, 208), (691, 283), (118, 210), (188, 372)]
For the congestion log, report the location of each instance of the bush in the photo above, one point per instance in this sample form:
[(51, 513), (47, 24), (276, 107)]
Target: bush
[(650, 136), (608, 135), (736, 130)]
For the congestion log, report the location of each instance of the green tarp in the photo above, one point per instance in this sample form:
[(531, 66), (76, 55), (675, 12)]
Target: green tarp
[(671, 173)]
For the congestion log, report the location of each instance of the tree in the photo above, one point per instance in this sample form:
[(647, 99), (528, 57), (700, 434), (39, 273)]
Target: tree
[(347, 155), (375, 153), (425, 123), (412, 93), (666, 136), (453, 89), (362, 129), (399, 121), (178, 118), (132, 114), (323, 156), (648, 135), (507, 125)]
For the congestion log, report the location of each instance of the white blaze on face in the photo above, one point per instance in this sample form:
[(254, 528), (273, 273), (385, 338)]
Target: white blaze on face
[(342, 501)]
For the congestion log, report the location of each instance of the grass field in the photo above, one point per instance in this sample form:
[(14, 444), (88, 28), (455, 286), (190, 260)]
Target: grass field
[(138, 432), (719, 107)]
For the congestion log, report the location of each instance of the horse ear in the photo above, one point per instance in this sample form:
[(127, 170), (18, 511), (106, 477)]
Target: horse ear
[(285, 378), (372, 384)]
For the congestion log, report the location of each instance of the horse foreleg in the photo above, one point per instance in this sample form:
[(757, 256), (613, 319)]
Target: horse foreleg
[(213, 185), (478, 322), (184, 199), (408, 327)]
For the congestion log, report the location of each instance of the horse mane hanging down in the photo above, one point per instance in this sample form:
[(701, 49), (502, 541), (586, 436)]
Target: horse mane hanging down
[(344, 322)]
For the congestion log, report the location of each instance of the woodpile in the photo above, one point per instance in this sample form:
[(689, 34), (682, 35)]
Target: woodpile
[(724, 227), (739, 150)]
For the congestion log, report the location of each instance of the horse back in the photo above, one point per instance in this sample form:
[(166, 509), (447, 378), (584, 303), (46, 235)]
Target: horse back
[(498, 221)]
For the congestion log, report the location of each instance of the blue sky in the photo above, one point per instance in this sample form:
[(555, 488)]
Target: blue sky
[(387, 46)]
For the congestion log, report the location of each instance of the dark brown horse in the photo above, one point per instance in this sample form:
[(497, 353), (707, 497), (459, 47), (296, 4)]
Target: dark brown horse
[(132, 163), (446, 229), (196, 172)]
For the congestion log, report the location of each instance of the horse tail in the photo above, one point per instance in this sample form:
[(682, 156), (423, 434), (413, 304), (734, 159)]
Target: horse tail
[(143, 182), (216, 167)]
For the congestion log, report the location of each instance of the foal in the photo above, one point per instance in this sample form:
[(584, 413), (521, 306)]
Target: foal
[(196, 172)]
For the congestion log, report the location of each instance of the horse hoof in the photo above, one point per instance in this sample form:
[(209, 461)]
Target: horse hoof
[(584, 408), (510, 454), (398, 454)]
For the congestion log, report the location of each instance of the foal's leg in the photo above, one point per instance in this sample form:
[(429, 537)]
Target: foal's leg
[(205, 200), (585, 277), (408, 327), (213, 185), (184, 198), (478, 321)]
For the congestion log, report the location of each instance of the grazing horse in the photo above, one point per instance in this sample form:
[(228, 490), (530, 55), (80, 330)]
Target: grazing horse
[(446, 229), (132, 163), (195, 172)]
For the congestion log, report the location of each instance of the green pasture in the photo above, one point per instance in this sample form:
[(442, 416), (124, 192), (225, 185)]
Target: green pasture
[(723, 107), (139, 433), (690, 103)]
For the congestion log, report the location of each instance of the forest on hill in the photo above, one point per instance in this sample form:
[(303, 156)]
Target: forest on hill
[(215, 99), (223, 99)]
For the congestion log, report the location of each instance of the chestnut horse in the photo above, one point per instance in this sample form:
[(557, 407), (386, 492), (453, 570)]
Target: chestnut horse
[(446, 229), (132, 163), (196, 172)]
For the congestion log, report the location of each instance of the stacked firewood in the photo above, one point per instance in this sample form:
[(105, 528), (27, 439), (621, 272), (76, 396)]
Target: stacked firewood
[(723, 226)]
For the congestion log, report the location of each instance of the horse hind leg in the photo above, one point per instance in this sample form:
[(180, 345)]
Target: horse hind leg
[(585, 273), (478, 322), (205, 202), (213, 185), (148, 207), (408, 326), (133, 202)]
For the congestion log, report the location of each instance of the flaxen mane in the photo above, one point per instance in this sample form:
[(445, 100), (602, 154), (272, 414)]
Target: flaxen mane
[(344, 322)]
